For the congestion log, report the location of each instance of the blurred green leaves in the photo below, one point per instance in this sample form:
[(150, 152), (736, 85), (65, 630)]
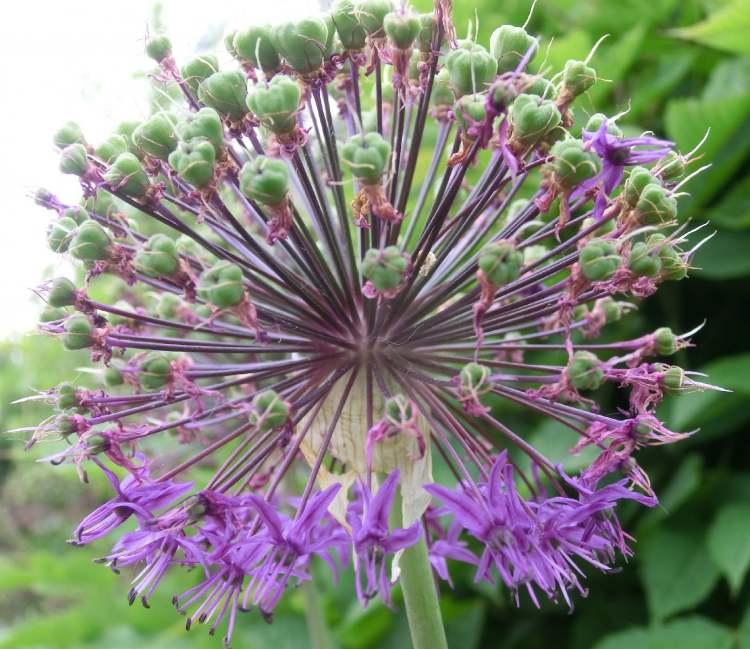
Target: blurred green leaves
[(725, 29)]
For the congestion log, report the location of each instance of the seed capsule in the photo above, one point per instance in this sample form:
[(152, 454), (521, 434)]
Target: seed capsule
[(69, 133), (533, 119), (265, 180), (195, 161), (599, 260), (509, 44), (221, 285), (572, 163), (276, 104), (157, 257), (584, 371), (205, 123), (255, 46), (156, 136), (159, 48), (225, 92), (74, 160), (666, 342), (385, 268), (60, 233), (126, 174), (500, 262), (62, 293), (302, 43), (269, 411), (155, 371), (367, 157), (351, 32), (78, 334), (90, 243), (199, 69), (471, 68)]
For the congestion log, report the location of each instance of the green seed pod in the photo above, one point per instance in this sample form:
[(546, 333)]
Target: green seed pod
[(199, 69), (578, 77), (599, 260), (442, 92), (673, 266), (126, 129), (158, 48), (74, 160), (501, 96), (469, 111), (195, 161), (332, 42), (126, 174), (655, 206), (346, 21), (60, 233), (51, 314), (367, 157), (276, 104), (595, 123), (426, 32), (475, 379), (112, 147), (532, 254), (169, 306), (533, 119), (69, 133), (65, 424), (157, 257), (302, 43), (500, 262), (644, 261), (225, 92), (229, 44), (254, 45), (62, 292), (673, 379), (91, 242), (509, 44), (604, 228), (155, 371), (399, 410), (672, 166), (471, 68), (67, 397), (372, 14), (539, 86), (118, 319), (401, 28), (584, 371), (572, 163), (78, 333), (222, 285), (265, 180), (611, 309), (269, 411), (385, 268), (156, 136), (636, 182), (113, 377), (665, 341), (205, 123)]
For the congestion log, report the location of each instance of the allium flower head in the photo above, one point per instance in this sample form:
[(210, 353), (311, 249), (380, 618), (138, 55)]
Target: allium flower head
[(311, 290)]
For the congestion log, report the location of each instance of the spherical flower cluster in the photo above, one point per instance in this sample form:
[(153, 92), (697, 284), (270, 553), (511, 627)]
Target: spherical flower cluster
[(301, 300)]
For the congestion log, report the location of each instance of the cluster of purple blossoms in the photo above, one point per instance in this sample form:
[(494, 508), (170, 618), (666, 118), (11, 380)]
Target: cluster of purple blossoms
[(306, 285)]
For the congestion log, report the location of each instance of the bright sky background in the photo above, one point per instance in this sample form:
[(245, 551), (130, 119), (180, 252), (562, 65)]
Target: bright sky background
[(76, 60)]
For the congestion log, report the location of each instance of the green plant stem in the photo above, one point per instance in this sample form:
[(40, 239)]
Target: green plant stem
[(420, 597), (320, 636)]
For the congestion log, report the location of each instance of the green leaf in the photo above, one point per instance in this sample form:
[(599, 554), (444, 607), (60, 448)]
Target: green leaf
[(724, 257), (676, 571), (729, 79), (729, 542), (692, 632), (732, 213), (625, 639), (554, 440), (683, 484), (576, 44), (726, 29), (613, 60)]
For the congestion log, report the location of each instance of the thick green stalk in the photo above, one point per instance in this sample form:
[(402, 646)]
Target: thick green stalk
[(320, 636)]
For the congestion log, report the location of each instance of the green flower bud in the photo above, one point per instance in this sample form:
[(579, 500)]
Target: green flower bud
[(533, 119), (584, 371), (345, 17), (229, 44), (599, 260), (112, 147), (257, 42), (157, 257), (221, 285), (60, 233), (126, 129), (332, 43), (69, 133), (74, 160), (269, 411), (65, 424), (644, 260), (673, 379), (225, 92), (656, 206), (578, 77), (126, 174), (475, 379), (67, 397), (595, 123), (276, 104), (610, 308), (78, 334), (665, 341), (509, 44), (426, 32), (401, 28), (51, 314), (195, 161), (469, 111), (539, 86), (442, 92), (385, 268), (572, 163), (62, 292), (205, 123), (367, 157), (672, 166), (155, 371), (636, 182), (199, 69), (302, 43), (399, 410), (91, 242), (501, 96), (169, 306), (158, 48), (156, 136), (265, 180), (673, 266), (372, 14), (113, 377), (500, 262), (471, 68)]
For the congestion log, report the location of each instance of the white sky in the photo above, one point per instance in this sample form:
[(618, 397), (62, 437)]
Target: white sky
[(75, 60)]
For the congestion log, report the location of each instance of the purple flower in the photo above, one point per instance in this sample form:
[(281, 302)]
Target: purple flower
[(374, 541)]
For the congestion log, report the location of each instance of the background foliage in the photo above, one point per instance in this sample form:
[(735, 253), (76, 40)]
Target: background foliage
[(683, 64)]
